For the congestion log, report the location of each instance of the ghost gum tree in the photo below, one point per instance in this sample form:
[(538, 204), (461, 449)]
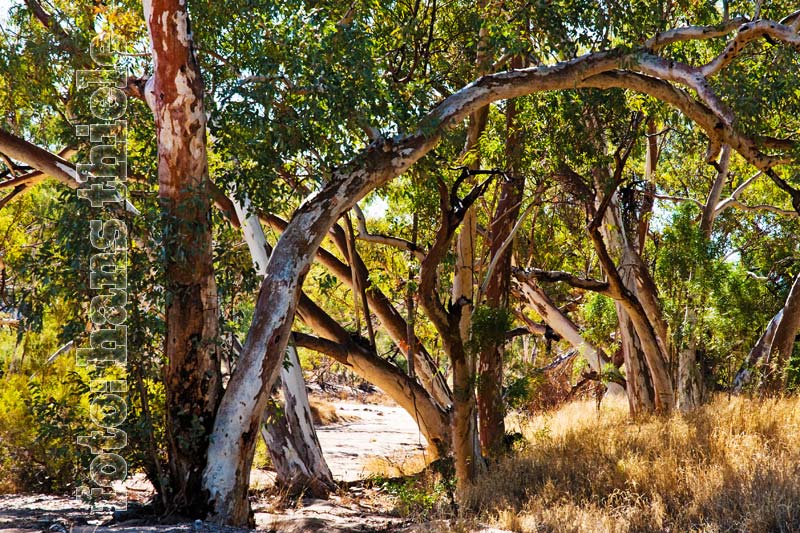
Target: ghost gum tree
[(231, 451), (276, 127)]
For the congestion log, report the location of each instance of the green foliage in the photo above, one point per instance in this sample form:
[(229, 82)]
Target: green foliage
[(600, 314), (40, 419), (290, 88), (522, 390), (489, 327), (419, 498)]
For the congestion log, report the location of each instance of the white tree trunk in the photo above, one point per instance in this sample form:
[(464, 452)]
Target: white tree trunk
[(236, 425), (289, 435), (291, 439), (639, 389)]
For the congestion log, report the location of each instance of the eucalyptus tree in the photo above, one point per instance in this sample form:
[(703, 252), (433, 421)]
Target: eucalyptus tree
[(285, 120)]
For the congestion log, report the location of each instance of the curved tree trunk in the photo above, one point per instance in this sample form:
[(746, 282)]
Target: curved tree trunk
[(391, 320), (759, 352), (777, 367), (433, 421), (230, 452), (398, 329), (288, 433), (192, 377)]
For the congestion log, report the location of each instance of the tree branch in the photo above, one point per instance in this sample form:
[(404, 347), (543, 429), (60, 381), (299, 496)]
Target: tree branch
[(388, 240), (553, 276), (693, 33)]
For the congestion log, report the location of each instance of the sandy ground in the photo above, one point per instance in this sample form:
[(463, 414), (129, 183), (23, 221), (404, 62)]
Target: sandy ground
[(377, 431)]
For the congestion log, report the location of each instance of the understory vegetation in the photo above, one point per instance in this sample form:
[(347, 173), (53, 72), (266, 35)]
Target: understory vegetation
[(731, 465), (560, 236)]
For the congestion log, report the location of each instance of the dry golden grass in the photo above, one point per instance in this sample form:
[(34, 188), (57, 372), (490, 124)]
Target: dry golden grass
[(733, 465), (398, 465), (324, 413)]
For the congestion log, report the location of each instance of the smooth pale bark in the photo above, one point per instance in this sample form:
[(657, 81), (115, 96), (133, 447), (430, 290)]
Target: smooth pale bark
[(398, 329), (45, 164), (466, 444), (649, 386), (193, 380), (655, 353), (292, 441), (432, 420), (288, 433), (566, 328), (469, 461), (639, 385), (420, 401), (230, 455), (710, 210)]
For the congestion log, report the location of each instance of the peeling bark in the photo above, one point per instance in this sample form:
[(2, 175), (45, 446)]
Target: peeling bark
[(491, 408), (292, 441), (288, 433), (640, 387), (192, 377), (227, 474)]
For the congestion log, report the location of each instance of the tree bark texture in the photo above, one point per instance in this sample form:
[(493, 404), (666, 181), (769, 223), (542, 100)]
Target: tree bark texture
[(288, 433), (227, 473), (192, 375), (491, 409)]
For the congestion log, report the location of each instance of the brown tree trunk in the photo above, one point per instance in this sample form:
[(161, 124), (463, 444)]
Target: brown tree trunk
[(192, 375), (468, 461), (466, 442), (491, 411), (777, 367), (451, 327)]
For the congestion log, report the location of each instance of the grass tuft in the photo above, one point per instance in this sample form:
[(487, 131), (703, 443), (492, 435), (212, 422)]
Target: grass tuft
[(732, 465)]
